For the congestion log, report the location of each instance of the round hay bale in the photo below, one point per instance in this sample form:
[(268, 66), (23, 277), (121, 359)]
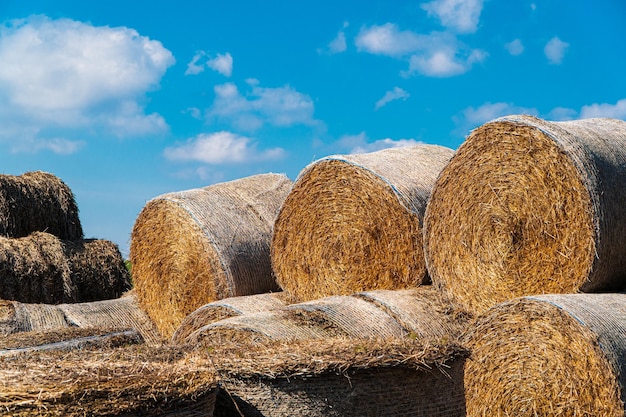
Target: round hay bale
[(527, 207), (550, 355), (222, 309), (19, 317), (340, 377), (193, 247), (354, 223), (97, 269), (38, 202), (34, 269)]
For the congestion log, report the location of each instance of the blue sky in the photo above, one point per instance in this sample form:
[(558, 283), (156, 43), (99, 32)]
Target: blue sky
[(128, 100)]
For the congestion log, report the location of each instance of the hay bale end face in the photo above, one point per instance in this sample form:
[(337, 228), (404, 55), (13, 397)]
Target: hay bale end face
[(193, 247), (353, 223), (548, 355), (528, 207), (38, 202)]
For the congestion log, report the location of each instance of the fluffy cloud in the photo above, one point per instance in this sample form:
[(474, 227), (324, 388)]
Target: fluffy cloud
[(222, 63), (515, 47), (461, 16), (614, 111), (64, 74), (555, 50), (360, 143), (221, 148), (338, 44), (438, 54), (472, 117), (281, 106), (396, 94)]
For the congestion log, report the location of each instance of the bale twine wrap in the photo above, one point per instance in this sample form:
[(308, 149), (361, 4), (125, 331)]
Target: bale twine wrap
[(227, 307), (550, 355), (28, 325), (340, 377), (38, 202), (354, 223), (123, 381), (397, 314), (529, 207), (41, 268), (193, 247)]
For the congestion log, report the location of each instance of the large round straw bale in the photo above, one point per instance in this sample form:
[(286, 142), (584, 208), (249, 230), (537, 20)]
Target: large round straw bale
[(549, 355), (529, 207), (354, 223), (340, 377), (34, 269), (227, 307), (193, 247), (97, 269), (38, 202)]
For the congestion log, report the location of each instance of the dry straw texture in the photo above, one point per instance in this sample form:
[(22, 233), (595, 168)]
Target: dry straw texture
[(193, 247), (550, 355), (227, 307), (354, 223), (27, 325), (38, 202), (529, 207), (416, 314), (41, 268), (340, 377), (128, 381)]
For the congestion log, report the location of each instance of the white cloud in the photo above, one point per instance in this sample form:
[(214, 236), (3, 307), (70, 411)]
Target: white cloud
[(472, 117), (562, 113), (461, 16), (222, 63), (614, 111), (555, 50), (515, 47), (281, 106), (396, 94), (221, 148), (338, 44), (65, 74), (438, 54), (360, 143), (389, 40)]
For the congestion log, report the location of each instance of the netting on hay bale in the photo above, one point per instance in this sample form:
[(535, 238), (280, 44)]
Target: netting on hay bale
[(123, 381), (38, 202), (41, 268), (227, 307), (340, 377), (550, 355), (193, 247), (34, 325), (416, 314), (354, 223), (528, 207)]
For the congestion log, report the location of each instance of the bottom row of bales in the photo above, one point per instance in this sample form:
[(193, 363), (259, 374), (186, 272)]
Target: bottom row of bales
[(546, 355)]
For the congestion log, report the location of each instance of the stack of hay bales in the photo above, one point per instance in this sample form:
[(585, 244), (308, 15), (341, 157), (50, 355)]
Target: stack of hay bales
[(354, 223), (193, 247), (526, 207), (121, 381), (43, 256)]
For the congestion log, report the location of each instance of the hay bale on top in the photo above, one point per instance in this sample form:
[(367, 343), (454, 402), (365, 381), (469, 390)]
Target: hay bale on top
[(528, 207), (97, 269), (131, 380), (340, 377), (193, 247), (227, 307), (354, 223), (38, 202), (41, 268), (549, 355)]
